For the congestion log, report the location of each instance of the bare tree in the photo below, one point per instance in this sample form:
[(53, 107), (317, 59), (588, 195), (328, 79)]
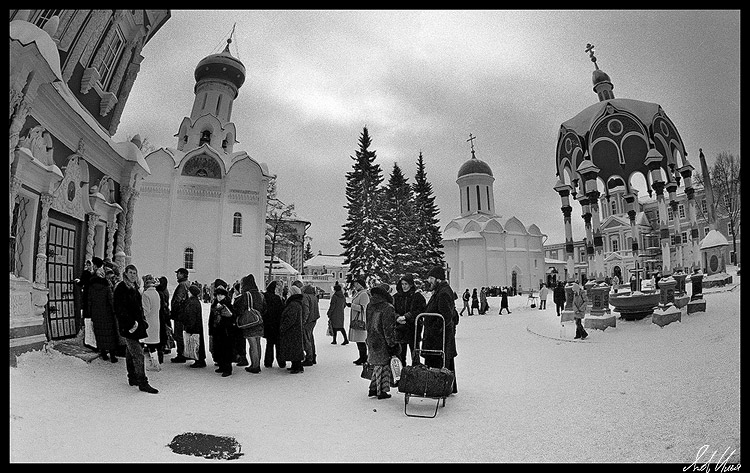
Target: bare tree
[(279, 230), (724, 178)]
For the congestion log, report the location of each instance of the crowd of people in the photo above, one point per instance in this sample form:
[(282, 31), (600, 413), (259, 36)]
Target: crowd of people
[(135, 318)]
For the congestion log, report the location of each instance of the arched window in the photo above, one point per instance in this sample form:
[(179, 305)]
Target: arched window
[(237, 224), (615, 245), (479, 200), (188, 256), (614, 207), (205, 137)]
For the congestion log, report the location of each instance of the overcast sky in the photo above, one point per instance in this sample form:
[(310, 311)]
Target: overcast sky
[(423, 80)]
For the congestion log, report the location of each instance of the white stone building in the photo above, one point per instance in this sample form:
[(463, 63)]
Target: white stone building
[(203, 207)]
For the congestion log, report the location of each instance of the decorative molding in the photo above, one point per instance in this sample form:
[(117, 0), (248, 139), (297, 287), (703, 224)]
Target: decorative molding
[(243, 196), (157, 189), (90, 77), (40, 276), (69, 195), (195, 191)]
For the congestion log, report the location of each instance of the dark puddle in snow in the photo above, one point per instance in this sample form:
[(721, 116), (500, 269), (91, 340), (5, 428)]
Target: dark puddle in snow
[(206, 446)]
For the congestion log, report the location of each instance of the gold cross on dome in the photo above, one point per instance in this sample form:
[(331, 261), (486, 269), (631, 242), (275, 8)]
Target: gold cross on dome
[(590, 49), (471, 139)]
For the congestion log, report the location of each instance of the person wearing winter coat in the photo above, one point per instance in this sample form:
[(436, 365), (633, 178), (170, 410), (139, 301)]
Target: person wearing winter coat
[(101, 310), (408, 303), (543, 293), (178, 299), (271, 323), (483, 305), (558, 297), (474, 301), (291, 346), (466, 297), (192, 322), (579, 308), (359, 312), (311, 315), (381, 343), (222, 320), (250, 294), (132, 326), (336, 314), (151, 305), (504, 301), (240, 342), (442, 301), (165, 328)]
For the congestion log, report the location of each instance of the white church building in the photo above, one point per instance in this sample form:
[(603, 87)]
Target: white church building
[(481, 248), (203, 206)]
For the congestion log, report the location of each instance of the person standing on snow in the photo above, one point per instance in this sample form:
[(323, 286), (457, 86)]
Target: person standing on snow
[(504, 301), (558, 297), (579, 307), (192, 322), (178, 299), (291, 347), (381, 344), (408, 304), (442, 301), (543, 293), (336, 314), (271, 323), (358, 312)]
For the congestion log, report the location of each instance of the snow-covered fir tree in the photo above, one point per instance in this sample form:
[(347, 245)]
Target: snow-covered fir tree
[(402, 230), (365, 232), (429, 242)]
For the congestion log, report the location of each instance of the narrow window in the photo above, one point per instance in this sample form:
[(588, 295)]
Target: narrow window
[(218, 105), (706, 230), (205, 97), (681, 209), (615, 245), (112, 52), (684, 237), (237, 224), (489, 207), (188, 256), (614, 207), (468, 205), (479, 200), (41, 17), (205, 137)]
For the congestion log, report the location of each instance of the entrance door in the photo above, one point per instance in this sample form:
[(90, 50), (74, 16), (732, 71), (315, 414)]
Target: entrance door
[(62, 321)]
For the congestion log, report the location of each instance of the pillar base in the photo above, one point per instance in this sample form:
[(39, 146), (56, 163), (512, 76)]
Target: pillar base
[(600, 322), (698, 305), (662, 317)]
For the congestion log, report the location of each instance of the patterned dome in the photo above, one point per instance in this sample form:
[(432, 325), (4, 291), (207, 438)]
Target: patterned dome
[(221, 66), (474, 166)]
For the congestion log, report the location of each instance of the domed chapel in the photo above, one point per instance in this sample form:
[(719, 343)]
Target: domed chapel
[(481, 248), (203, 206)]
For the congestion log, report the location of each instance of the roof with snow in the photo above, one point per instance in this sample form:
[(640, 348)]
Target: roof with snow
[(713, 239), (326, 260)]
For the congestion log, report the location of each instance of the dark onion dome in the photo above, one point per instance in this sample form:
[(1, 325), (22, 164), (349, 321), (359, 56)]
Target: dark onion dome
[(221, 66), (474, 166), (600, 76)]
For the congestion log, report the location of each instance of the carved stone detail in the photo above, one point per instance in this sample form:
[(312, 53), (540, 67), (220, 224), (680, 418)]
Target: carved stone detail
[(40, 276)]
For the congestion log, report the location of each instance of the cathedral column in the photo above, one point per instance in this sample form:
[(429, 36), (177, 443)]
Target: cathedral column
[(109, 250), (672, 190), (687, 176), (125, 193), (564, 190), (92, 218), (630, 200), (590, 173), (129, 223), (586, 215), (40, 275)]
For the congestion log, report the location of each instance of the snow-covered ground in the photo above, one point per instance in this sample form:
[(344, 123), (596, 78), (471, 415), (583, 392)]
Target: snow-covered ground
[(634, 393)]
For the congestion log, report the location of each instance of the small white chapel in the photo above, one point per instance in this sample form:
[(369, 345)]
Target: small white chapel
[(481, 248)]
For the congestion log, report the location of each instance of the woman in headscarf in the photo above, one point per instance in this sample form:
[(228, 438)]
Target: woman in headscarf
[(290, 331), (271, 324), (336, 314), (250, 294), (221, 323)]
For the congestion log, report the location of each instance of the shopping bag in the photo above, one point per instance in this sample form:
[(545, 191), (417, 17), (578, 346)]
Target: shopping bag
[(192, 343), (357, 335), (396, 368), (366, 371), (89, 338), (151, 361), (427, 382)]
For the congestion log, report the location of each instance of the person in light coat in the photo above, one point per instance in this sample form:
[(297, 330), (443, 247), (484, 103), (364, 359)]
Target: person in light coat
[(543, 294), (358, 312), (192, 322), (151, 305)]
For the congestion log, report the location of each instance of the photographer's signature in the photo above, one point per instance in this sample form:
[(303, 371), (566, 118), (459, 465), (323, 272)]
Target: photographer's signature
[(722, 464)]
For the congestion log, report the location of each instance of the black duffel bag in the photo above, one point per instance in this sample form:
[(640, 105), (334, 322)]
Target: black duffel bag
[(420, 380)]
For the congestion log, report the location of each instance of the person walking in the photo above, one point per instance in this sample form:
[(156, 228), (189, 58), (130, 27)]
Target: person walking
[(543, 294), (483, 305), (474, 301), (271, 324), (465, 297), (250, 294), (102, 313), (290, 331), (132, 326), (504, 301), (221, 318), (558, 297), (151, 305), (442, 301), (178, 299), (381, 343), (192, 322), (408, 304), (579, 307), (336, 314), (358, 313)]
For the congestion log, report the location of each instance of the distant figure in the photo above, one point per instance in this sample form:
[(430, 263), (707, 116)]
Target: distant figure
[(633, 283), (474, 301), (358, 312), (558, 297), (483, 305), (151, 304), (579, 307), (336, 314), (543, 293), (615, 282), (465, 297), (504, 301)]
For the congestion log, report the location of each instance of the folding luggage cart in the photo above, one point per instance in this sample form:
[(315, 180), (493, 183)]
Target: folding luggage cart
[(421, 381)]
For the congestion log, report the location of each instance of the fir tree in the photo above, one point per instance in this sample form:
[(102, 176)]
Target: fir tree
[(400, 219), (365, 234), (429, 242)]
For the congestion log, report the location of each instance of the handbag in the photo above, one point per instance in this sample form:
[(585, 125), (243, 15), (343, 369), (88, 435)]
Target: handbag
[(250, 317), (192, 344), (366, 371), (89, 338), (151, 361)]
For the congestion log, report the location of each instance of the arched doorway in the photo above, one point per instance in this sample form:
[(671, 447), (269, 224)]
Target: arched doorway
[(617, 271)]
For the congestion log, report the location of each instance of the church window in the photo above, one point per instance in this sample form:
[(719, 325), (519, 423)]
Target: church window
[(41, 17), (615, 245), (684, 237), (704, 206), (468, 205), (706, 230), (614, 207), (681, 209), (187, 257), (218, 105), (479, 200), (535, 263), (670, 214), (488, 198), (237, 224), (184, 139), (107, 61), (205, 137), (205, 97), (224, 144), (202, 166)]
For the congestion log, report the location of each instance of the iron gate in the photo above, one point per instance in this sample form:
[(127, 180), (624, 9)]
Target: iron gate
[(61, 319)]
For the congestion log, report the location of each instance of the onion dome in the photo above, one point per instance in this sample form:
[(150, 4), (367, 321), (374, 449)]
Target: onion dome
[(221, 66), (474, 166), (599, 76)]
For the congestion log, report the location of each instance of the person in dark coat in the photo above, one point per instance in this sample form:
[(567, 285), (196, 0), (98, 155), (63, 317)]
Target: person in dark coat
[(240, 342), (249, 293), (101, 310), (165, 331), (558, 297), (465, 297), (408, 303), (291, 345), (178, 299), (192, 322), (271, 323), (483, 305), (221, 318), (474, 301), (579, 308), (504, 301), (381, 343), (311, 311), (132, 326), (336, 314), (443, 302)]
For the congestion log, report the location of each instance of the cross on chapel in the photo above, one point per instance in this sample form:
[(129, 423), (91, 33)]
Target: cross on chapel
[(471, 139)]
